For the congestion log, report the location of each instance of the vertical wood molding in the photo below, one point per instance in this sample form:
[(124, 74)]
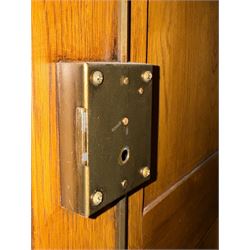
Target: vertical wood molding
[(123, 30), (122, 207), (138, 53), (121, 224)]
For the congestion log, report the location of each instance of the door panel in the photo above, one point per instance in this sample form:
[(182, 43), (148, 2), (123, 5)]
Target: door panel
[(185, 212), (64, 30), (211, 239), (138, 36), (177, 210), (182, 39)]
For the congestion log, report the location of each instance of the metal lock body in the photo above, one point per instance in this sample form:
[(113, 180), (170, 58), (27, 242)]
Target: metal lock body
[(105, 126)]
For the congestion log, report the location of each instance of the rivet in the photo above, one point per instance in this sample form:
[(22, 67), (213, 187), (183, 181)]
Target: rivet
[(140, 91), (125, 80), (124, 184), (145, 172), (97, 198), (125, 121), (146, 76), (97, 78)]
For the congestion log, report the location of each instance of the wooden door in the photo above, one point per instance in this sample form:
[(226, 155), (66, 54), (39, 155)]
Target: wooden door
[(65, 30), (178, 210)]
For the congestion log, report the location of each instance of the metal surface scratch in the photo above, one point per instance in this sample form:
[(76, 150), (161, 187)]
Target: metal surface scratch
[(116, 126)]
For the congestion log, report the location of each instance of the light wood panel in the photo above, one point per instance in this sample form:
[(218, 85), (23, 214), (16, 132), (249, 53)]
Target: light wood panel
[(138, 49), (183, 40), (186, 212), (178, 209), (64, 30)]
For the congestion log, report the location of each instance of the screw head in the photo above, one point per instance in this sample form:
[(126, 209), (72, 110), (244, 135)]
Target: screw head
[(97, 78), (125, 80), (140, 91), (145, 172), (124, 184), (97, 198), (146, 76), (125, 121)]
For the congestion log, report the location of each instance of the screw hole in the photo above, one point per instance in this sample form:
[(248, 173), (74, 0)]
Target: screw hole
[(124, 155)]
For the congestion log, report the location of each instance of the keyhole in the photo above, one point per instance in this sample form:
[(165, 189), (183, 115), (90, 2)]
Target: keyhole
[(124, 155)]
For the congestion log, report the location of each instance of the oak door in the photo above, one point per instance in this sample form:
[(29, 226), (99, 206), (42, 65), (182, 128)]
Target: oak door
[(178, 210), (64, 30)]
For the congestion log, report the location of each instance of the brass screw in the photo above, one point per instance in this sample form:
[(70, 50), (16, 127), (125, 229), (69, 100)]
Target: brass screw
[(146, 76), (97, 198), (124, 184), (125, 121), (140, 91), (97, 78), (125, 80), (145, 172)]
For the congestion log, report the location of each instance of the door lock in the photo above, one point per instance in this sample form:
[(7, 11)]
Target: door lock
[(105, 125)]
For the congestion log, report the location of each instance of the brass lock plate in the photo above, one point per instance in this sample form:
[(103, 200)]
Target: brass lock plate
[(105, 126)]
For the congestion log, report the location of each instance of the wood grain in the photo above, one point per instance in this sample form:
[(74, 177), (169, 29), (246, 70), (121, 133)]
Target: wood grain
[(122, 207), (211, 239), (182, 218), (138, 50), (183, 40), (138, 31), (182, 37), (64, 30)]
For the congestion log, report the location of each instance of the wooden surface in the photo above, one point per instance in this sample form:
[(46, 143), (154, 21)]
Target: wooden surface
[(186, 212), (211, 239), (64, 30), (183, 40), (177, 210), (179, 36), (138, 49)]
